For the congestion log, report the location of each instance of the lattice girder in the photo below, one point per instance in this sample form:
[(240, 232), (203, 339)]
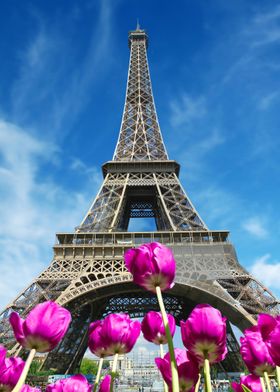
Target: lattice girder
[(112, 207), (140, 137)]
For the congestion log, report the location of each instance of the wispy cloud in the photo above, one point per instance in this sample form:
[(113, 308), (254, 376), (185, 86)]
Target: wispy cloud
[(46, 98), (265, 28), (217, 205), (270, 15), (266, 101), (195, 156), (250, 43), (255, 227), (33, 206), (186, 108), (47, 87), (92, 173), (267, 271)]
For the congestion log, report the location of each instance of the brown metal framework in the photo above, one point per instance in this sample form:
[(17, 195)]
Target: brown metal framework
[(87, 273)]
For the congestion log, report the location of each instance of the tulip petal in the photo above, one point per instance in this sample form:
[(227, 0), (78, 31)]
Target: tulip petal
[(11, 371), (119, 333), (249, 381), (255, 353), (17, 324), (151, 265), (266, 324), (204, 334), (187, 370), (105, 384), (153, 328), (76, 383), (43, 328)]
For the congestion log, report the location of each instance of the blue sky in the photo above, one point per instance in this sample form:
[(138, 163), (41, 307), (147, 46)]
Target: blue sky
[(215, 69)]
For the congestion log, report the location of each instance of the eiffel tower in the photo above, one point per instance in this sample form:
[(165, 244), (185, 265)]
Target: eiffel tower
[(87, 273)]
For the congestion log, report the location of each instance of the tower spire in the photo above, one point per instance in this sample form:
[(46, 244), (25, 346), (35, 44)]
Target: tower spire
[(140, 136)]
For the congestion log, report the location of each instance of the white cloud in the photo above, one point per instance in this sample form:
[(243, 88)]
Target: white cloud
[(264, 29), (93, 173), (194, 156), (216, 206), (255, 227), (249, 45), (267, 271), (33, 206), (268, 100), (187, 109), (47, 87), (271, 15)]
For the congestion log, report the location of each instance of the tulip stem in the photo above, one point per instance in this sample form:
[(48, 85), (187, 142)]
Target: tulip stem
[(98, 374), (24, 373), (262, 384), (162, 355), (198, 383), (267, 381), (207, 377), (114, 371), (174, 371), (278, 376)]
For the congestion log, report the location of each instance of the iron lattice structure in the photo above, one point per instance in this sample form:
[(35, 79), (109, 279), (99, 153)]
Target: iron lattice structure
[(87, 273)]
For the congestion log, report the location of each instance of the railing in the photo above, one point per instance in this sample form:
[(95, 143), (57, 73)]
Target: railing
[(126, 239)]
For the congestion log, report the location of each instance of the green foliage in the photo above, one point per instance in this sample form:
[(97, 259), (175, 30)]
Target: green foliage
[(88, 366), (35, 370)]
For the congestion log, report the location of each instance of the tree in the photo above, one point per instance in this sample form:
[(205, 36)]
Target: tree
[(88, 366)]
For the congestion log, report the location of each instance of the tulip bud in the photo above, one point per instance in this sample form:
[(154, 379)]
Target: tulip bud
[(153, 328), (204, 334), (255, 353), (152, 265), (43, 328), (187, 370), (119, 333)]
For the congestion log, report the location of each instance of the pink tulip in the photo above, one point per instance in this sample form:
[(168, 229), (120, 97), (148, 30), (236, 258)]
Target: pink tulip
[(95, 340), (151, 265), (255, 353), (43, 328), (187, 370), (153, 328), (119, 333), (27, 388), (250, 381), (204, 334), (105, 384), (77, 383), (269, 328), (10, 370)]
